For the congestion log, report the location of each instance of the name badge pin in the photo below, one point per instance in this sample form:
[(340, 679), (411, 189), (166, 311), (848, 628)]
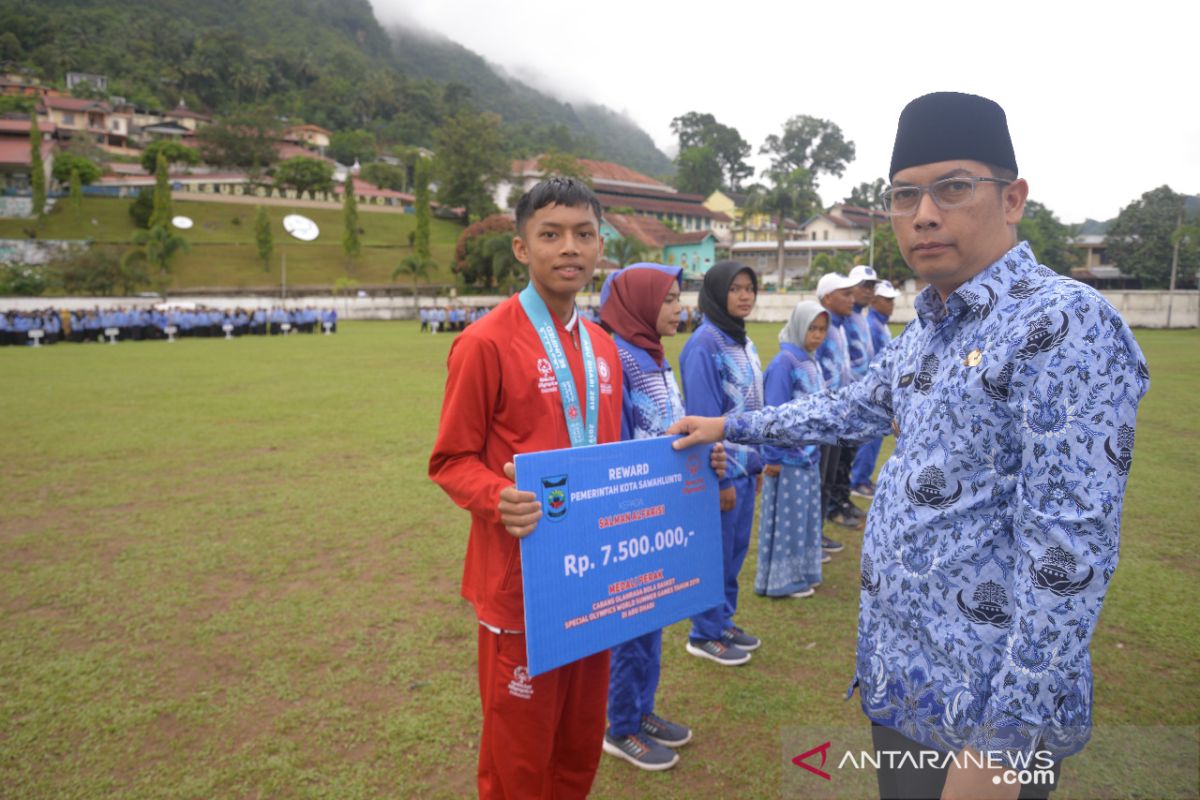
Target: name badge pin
[(973, 358)]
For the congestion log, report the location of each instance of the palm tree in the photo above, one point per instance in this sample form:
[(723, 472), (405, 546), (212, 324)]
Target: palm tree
[(791, 195), (416, 266), (624, 251), (496, 251), (160, 246)]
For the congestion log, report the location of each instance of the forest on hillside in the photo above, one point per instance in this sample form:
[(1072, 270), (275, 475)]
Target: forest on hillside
[(327, 62)]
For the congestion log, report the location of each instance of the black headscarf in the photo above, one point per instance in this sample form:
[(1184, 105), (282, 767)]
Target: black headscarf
[(714, 298)]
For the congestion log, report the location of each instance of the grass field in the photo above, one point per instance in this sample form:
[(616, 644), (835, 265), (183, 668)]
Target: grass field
[(223, 252), (223, 573)]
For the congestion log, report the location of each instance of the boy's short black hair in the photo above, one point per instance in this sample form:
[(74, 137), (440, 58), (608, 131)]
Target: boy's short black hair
[(556, 191)]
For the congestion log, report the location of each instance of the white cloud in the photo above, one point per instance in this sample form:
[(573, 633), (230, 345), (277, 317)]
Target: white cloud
[(1100, 96)]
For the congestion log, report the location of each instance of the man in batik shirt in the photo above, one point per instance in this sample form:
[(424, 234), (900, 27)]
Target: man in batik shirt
[(994, 532)]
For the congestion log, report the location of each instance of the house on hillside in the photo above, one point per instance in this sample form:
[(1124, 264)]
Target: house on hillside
[(15, 175), (186, 118), (13, 84), (313, 137), (94, 119), (625, 191), (695, 251), (370, 194), (97, 82)]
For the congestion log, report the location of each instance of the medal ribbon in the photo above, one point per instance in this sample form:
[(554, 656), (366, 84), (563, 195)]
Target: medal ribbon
[(581, 429)]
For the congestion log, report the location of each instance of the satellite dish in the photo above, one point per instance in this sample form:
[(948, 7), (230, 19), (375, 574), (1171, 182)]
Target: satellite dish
[(183, 223), (302, 228)]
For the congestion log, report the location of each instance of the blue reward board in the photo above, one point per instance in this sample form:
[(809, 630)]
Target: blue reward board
[(629, 541)]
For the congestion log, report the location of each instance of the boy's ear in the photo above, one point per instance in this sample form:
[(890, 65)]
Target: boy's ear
[(520, 250)]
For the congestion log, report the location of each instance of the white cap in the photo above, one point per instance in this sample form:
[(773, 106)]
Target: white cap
[(886, 290), (863, 273), (831, 282)]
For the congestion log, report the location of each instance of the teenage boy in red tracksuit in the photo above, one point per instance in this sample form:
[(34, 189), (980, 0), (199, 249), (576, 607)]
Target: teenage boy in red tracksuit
[(541, 736)]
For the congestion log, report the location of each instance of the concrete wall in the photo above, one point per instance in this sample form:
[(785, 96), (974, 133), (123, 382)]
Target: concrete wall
[(1140, 309)]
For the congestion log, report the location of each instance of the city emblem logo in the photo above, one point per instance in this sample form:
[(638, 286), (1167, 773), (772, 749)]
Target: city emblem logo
[(554, 497), (931, 489), (1122, 458), (1055, 571), (990, 602), (1041, 339)]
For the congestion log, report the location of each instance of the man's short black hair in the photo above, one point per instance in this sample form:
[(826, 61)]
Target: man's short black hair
[(557, 191)]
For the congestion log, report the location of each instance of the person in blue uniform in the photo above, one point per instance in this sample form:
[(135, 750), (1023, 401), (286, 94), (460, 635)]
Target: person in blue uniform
[(835, 293), (722, 374), (995, 530), (792, 517), (639, 305)]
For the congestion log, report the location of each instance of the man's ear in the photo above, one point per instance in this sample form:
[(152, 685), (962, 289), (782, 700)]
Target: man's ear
[(1015, 195), (520, 250)]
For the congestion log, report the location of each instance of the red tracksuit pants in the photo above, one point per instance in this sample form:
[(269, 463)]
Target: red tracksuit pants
[(542, 736)]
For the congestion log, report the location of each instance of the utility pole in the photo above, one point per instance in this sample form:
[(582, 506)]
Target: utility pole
[(1174, 266)]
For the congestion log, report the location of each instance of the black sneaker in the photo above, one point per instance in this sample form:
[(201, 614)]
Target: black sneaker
[(830, 546), (863, 490), (664, 732), (855, 512), (640, 751), (740, 639), (724, 654)]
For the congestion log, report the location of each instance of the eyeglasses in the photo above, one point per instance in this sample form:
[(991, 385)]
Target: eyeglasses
[(948, 193)]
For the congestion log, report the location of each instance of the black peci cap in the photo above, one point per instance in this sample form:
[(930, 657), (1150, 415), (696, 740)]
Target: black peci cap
[(950, 126)]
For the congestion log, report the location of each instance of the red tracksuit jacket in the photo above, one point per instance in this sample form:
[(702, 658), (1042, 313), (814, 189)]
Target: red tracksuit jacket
[(501, 399)]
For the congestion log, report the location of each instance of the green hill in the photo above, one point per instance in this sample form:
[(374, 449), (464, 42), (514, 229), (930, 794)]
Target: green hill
[(223, 253), (327, 62)]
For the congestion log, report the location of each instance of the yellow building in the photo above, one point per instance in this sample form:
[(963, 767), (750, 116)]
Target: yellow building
[(746, 228)]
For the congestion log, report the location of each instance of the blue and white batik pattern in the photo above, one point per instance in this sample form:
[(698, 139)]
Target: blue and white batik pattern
[(722, 377), (995, 529), (789, 532)]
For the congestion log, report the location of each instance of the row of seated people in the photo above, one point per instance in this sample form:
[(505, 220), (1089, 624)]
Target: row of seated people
[(50, 325)]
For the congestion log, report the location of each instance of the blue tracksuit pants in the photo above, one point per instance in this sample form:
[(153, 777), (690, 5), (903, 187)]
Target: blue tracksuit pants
[(735, 541), (632, 681), (864, 462)]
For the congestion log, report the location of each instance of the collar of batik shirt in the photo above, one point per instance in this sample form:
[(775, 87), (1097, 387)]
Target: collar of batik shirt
[(981, 294)]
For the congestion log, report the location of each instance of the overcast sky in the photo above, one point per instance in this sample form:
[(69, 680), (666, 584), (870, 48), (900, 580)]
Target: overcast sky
[(1103, 99)]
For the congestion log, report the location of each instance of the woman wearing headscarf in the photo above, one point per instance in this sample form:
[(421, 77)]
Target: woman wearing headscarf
[(638, 306), (722, 375), (791, 519)]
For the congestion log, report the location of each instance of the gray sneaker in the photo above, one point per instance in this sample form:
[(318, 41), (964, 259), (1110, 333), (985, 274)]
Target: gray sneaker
[(724, 654), (740, 639), (641, 751), (664, 732)]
